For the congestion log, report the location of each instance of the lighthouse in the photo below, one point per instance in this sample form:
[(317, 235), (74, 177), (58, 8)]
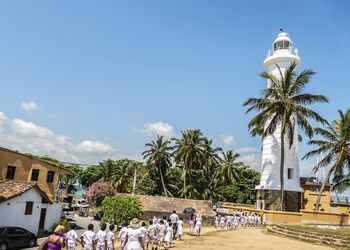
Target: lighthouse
[(282, 54)]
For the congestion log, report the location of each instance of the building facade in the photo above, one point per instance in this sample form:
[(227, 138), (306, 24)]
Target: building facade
[(283, 54), (25, 205), (20, 167)]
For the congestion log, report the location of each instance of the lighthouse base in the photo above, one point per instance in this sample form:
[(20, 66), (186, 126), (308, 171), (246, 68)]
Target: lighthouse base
[(292, 199)]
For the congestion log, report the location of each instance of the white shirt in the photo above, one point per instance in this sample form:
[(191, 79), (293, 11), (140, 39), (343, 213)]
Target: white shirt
[(134, 235), (101, 237), (174, 218), (162, 229), (151, 231), (122, 233), (110, 236), (88, 237), (72, 237)]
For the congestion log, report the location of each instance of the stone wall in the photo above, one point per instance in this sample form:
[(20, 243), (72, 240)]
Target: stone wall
[(159, 206), (292, 200)]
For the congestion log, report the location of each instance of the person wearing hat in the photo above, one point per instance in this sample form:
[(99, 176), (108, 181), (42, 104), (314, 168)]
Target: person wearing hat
[(57, 240), (133, 239)]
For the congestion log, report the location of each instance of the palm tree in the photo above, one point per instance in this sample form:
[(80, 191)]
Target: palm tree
[(123, 174), (229, 167), (106, 169), (212, 156), (189, 150), (282, 105), (336, 147), (159, 156)]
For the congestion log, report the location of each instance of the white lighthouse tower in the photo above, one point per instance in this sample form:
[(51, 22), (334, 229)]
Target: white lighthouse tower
[(282, 54)]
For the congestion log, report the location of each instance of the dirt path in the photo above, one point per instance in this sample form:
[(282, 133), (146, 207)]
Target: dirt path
[(243, 239)]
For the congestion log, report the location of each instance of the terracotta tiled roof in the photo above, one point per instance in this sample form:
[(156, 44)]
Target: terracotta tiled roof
[(10, 189)]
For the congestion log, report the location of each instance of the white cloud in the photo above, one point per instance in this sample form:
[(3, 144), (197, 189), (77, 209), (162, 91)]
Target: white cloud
[(93, 147), (28, 137), (228, 139), (161, 128), (29, 106), (252, 160), (29, 129), (247, 150)]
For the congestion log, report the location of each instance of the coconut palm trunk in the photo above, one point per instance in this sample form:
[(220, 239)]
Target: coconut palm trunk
[(318, 201), (283, 129), (162, 180)]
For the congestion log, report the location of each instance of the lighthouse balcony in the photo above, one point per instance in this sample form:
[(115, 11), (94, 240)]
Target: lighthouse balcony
[(283, 57), (282, 51)]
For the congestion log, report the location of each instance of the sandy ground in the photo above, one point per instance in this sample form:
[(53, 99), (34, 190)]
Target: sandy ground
[(249, 238)]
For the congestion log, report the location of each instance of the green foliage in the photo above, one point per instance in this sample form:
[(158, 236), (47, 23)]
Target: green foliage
[(65, 223), (118, 209)]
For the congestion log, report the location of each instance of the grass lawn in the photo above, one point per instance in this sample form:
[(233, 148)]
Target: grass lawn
[(342, 231)]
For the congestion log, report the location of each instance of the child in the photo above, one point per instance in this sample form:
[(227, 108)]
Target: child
[(161, 234), (222, 222), (169, 235), (151, 234), (144, 232), (264, 220), (72, 238), (180, 225), (110, 238), (191, 223), (122, 234), (199, 225), (217, 219), (88, 238), (101, 238)]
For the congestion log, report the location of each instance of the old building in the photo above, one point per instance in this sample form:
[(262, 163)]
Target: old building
[(24, 204), (20, 167)]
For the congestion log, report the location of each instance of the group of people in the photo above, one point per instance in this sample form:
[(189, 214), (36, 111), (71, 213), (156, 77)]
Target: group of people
[(239, 218), (159, 235)]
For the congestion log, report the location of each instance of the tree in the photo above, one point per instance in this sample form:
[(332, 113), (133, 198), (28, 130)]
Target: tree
[(98, 191), (282, 105), (88, 176), (106, 169), (159, 156), (244, 191), (118, 209), (190, 150), (72, 179), (335, 147), (229, 167), (123, 174)]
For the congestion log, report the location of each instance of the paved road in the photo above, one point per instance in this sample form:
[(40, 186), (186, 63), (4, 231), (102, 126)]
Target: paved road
[(82, 224)]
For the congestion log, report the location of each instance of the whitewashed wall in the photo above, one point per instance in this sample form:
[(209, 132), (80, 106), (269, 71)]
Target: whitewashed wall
[(12, 212)]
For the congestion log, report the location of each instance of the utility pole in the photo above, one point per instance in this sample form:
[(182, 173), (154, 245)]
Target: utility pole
[(134, 184)]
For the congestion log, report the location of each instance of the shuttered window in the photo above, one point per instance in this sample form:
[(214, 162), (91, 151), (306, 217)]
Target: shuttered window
[(29, 208)]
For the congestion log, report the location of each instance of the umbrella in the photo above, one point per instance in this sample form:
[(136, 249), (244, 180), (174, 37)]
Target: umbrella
[(189, 210)]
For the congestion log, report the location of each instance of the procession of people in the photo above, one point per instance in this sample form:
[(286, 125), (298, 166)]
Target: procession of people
[(160, 234)]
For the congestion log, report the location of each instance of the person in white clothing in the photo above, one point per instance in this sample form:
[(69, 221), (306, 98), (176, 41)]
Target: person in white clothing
[(101, 238), (72, 238), (110, 238), (222, 222), (217, 221), (151, 235), (122, 234), (88, 238), (144, 232), (169, 235), (199, 224), (133, 238), (161, 234), (179, 230)]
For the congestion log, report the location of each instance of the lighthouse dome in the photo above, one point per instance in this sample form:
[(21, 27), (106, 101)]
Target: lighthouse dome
[(282, 41)]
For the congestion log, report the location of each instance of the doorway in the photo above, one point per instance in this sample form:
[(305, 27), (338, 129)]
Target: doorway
[(42, 218)]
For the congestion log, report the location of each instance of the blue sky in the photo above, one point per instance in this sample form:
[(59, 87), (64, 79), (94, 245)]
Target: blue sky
[(86, 80)]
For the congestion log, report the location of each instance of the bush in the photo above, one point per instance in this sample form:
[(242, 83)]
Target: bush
[(118, 209), (98, 191)]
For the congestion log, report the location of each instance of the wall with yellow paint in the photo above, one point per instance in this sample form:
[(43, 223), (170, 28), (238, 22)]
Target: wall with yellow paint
[(24, 166)]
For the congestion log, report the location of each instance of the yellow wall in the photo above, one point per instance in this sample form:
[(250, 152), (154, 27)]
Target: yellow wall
[(304, 217), (310, 199), (24, 165)]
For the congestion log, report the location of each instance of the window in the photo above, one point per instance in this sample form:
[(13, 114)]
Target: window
[(290, 173), (50, 175), (29, 208), (35, 175), (281, 45), (10, 172), (20, 231)]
